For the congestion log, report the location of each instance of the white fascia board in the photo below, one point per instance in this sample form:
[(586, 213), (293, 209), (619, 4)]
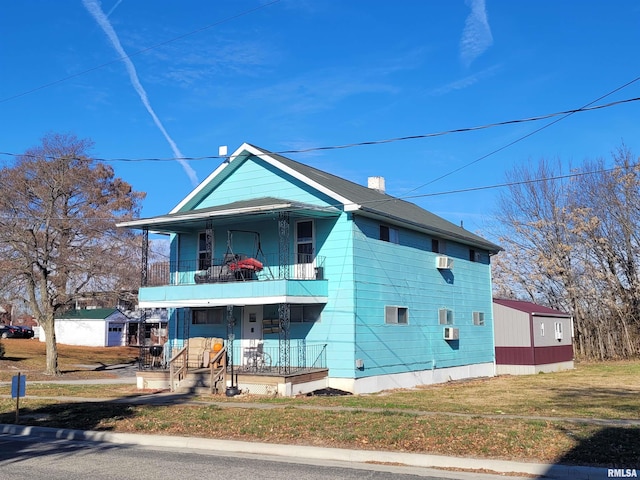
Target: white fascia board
[(203, 215), (297, 175), (240, 301), (211, 176)]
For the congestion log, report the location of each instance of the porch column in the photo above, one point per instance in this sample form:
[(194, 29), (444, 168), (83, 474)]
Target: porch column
[(209, 242), (230, 336), (284, 340), (144, 267), (142, 356), (283, 245)]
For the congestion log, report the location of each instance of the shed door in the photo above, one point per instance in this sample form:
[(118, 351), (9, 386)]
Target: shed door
[(115, 334)]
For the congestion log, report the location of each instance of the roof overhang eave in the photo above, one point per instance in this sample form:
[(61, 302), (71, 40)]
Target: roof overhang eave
[(430, 230), (175, 223)]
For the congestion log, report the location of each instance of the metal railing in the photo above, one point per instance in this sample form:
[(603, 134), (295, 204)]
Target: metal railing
[(265, 360), (237, 267)]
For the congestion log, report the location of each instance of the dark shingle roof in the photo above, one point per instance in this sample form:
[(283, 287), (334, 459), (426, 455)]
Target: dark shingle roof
[(381, 204)]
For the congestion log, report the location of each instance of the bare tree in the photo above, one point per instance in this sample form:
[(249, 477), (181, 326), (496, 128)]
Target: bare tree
[(58, 211), (574, 245)]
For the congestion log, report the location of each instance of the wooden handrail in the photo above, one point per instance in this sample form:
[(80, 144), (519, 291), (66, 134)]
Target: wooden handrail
[(177, 372), (218, 365)]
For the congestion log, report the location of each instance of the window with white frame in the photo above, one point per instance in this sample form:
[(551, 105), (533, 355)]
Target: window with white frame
[(558, 330), (478, 318), (542, 329), (445, 316), (208, 316), (396, 315)]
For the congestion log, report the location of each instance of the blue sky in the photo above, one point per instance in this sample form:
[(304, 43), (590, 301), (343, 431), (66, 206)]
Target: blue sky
[(299, 74)]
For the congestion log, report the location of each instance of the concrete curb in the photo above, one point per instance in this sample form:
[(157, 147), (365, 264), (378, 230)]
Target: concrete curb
[(317, 453)]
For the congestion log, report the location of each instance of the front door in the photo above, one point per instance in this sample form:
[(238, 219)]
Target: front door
[(251, 329)]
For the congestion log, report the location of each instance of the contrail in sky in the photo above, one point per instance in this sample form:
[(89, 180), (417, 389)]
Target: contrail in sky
[(114, 7), (476, 37), (93, 6)]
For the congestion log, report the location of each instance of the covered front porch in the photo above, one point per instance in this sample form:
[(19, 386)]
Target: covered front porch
[(258, 370)]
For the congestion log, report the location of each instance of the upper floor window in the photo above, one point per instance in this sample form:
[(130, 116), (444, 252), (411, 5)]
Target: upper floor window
[(396, 315), (445, 316), (437, 246), (389, 234), (478, 318)]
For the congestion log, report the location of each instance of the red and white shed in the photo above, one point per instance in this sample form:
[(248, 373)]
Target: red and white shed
[(530, 338)]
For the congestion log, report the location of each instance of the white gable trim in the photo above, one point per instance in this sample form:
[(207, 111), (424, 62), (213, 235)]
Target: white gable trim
[(245, 147)]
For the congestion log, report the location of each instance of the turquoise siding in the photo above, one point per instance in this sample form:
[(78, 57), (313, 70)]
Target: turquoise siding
[(362, 275), (255, 178), (235, 290), (405, 275)]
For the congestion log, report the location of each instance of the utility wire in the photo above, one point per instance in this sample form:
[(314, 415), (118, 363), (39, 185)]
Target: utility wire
[(161, 44), (562, 115), (404, 197), (565, 114)]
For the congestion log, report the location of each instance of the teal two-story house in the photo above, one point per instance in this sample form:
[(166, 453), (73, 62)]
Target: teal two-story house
[(296, 268)]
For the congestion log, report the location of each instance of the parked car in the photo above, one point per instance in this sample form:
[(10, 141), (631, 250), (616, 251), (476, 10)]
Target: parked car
[(25, 332), (9, 331)]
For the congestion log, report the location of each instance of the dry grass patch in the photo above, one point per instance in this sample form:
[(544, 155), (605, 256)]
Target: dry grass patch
[(28, 357), (541, 441), (592, 390)]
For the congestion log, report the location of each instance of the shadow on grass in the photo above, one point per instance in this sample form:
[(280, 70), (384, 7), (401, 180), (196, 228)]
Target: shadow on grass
[(623, 401), (607, 448), (97, 416)]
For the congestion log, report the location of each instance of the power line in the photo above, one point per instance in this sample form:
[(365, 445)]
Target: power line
[(403, 197), (161, 44), (564, 113)]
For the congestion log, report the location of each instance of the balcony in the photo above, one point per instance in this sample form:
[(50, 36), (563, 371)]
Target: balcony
[(234, 268), (235, 280)]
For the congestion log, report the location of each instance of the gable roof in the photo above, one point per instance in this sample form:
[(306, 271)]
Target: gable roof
[(351, 196), (88, 314), (530, 308)]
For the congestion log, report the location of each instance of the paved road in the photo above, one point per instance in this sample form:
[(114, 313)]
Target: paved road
[(28, 459)]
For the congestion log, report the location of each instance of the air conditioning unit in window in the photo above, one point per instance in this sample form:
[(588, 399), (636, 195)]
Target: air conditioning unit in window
[(444, 263), (451, 333)]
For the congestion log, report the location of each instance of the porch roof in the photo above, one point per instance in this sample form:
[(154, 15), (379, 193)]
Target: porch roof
[(231, 212)]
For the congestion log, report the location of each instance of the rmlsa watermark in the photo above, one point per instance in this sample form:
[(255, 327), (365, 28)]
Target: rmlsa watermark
[(622, 473)]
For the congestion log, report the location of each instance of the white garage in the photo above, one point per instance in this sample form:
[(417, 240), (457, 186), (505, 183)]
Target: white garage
[(97, 327)]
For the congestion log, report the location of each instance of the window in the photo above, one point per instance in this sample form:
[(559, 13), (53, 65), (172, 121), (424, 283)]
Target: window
[(208, 316), (437, 246), (445, 316), (389, 234), (542, 329), (396, 315), (204, 250), (558, 330), (305, 313), (478, 318)]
